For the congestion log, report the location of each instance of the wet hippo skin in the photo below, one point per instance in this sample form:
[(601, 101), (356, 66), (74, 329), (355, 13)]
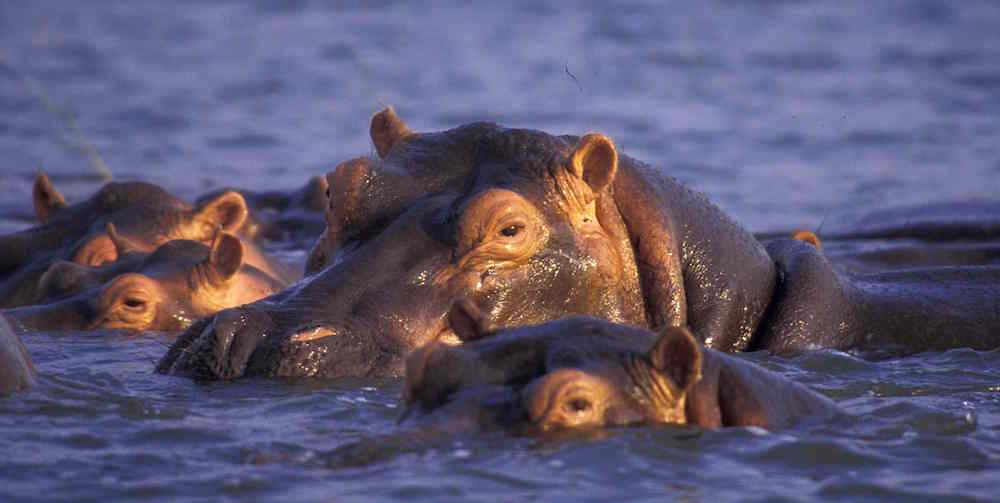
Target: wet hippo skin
[(897, 311), (526, 224), (582, 372), (531, 228)]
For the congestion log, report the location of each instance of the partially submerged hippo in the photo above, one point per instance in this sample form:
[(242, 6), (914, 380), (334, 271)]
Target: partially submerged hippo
[(526, 224), (17, 372), (145, 215), (165, 290), (531, 227), (292, 219), (817, 305), (581, 372)]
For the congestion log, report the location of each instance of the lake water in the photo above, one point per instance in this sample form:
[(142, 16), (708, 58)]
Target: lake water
[(787, 114)]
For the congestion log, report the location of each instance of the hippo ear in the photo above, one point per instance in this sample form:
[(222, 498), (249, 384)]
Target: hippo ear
[(226, 256), (467, 321), (61, 278), (316, 194), (47, 199), (595, 160), (122, 246), (808, 237), (677, 355), (387, 129), (227, 210)]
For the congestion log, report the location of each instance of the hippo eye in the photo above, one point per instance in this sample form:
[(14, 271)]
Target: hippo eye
[(578, 405), (511, 231), (134, 303)]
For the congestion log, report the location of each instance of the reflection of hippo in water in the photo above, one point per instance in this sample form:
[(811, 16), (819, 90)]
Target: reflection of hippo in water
[(581, 372), (533, 227), (165, 290), (143, 214), (17, 372)]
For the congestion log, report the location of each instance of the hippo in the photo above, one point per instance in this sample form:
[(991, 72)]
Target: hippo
[(165, 290), (890, 312), (17, 372), (531, 227), (292, 220), (144, 214), (583, 373)]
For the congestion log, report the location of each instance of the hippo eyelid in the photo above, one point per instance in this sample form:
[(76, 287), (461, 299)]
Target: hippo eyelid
[(133, 302)]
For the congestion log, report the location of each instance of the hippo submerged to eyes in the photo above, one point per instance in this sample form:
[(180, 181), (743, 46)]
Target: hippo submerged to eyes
[(581, 372), (165, 290), (144, 214), (533, 227)]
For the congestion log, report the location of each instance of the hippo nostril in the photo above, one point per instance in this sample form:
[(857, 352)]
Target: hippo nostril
[(224, 326), (467, 321)]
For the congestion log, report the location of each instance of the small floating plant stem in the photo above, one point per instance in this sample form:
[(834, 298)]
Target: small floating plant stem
[(75, 138)]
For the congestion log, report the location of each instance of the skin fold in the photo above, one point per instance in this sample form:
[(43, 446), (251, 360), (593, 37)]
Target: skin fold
[(165, 290), (582, 373), (532, 227)]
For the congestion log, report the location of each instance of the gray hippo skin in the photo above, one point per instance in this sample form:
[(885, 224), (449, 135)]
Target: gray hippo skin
[(17, 372), (532, 227), (581, 372)]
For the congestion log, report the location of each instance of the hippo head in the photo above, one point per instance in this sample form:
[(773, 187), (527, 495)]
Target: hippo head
[(520, 222), (145, 215), (578, 372), (164, 290)]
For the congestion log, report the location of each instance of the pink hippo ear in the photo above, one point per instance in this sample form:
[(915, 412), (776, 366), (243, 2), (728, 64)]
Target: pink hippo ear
[(47, 199), (808, 237), (387, 129), (595, 161), (467, 321), (677, 355), (226, 256), (227, 211)]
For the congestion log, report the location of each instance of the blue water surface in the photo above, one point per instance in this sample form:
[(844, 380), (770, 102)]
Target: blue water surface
[(787, 114)]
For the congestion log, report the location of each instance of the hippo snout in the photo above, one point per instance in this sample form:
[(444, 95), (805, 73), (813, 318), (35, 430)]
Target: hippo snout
[(218, 347)]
